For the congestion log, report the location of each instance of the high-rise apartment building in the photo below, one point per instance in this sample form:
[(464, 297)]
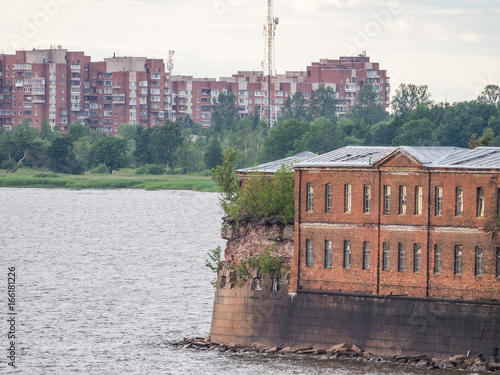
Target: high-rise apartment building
[(62, 86)]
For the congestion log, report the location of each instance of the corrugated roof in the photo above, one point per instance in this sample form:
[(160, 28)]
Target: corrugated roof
[(349, 156), (431, 157), (273, 166)]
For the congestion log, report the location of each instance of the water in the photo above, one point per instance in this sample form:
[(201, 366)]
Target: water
[(106, 279)]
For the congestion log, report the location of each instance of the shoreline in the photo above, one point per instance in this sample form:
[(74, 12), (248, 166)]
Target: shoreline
[(345, 351), (124, 179)]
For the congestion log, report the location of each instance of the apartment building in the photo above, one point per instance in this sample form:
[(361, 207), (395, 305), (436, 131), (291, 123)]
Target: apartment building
[(413, 221), (64, 86)]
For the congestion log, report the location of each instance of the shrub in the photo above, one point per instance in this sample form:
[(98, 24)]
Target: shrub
[(154, 169), (214, 262), (100, 169)]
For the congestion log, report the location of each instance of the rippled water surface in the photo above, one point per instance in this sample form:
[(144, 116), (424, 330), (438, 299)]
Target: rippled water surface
[(106, 279)]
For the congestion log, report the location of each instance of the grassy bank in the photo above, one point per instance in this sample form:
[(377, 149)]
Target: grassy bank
[(124, 179)]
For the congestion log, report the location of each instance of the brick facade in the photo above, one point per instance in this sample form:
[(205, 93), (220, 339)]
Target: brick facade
[(425, 213)]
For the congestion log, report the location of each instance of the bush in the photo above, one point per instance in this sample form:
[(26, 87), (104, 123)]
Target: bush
[(8, 165), (100, 169), (154, 169)]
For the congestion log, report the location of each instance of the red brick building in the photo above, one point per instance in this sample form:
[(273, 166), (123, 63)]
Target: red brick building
[(416, 221)]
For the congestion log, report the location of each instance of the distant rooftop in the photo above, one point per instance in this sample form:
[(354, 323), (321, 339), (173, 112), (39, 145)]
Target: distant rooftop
[(273, 166), (432, 157)]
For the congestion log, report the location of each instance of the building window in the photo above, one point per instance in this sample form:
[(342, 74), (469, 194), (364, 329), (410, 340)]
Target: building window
[(347, 254), (366, 255), (367, 198), (347, 198), (459, 201), (387, 200), (402, 200), (417, 258), (479, 261), (498, 261), (437, 258), (439, 201), (480, 202), (310, 197), (328, 254), (401, 257), (309, 253), (458, 260), (387, 257), (418, 200), (328, 198)]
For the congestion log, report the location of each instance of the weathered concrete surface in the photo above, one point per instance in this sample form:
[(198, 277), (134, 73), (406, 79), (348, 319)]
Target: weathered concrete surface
[(385, 326)]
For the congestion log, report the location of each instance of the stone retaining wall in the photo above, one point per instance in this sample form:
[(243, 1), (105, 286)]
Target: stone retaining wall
[(385, 326)]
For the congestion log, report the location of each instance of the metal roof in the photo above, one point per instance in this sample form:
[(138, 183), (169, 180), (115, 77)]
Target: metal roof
[(430, 157), (273, 166)]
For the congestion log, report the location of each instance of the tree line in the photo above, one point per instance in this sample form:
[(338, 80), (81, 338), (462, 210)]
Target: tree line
[(181, 146)]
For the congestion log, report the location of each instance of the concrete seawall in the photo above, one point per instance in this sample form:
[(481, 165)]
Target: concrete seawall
[(382, 325)]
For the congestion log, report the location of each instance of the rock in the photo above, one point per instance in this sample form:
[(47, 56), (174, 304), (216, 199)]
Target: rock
[(274, 349), (357, 349), (375, 359), (478, 367), (422, 363), (258, 346), (321, 351), (494, 366), (287, 350), (336, 348), (276, 220), (458, 358)]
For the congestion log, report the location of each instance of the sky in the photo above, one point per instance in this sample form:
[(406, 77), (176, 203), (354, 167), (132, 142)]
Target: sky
[(453, 46)]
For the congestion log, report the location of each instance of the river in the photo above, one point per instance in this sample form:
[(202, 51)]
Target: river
[(105, 280)]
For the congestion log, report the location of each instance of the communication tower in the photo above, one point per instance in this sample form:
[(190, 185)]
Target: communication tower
[(170, 68), (269, 110)]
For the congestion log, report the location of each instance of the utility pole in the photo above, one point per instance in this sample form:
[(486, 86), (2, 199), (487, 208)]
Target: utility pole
[(270, 110), (170, 68)]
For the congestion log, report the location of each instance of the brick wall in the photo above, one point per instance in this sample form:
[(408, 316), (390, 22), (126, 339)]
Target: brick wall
[(414, 229)]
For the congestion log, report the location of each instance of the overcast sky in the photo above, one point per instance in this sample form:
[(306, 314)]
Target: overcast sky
[(451, 45)]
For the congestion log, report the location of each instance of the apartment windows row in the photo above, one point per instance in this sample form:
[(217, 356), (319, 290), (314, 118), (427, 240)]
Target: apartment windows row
[(402, 199), (401, 254)]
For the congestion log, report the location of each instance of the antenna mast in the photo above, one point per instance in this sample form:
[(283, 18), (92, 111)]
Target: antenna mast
[(269, 110), (170, 68)]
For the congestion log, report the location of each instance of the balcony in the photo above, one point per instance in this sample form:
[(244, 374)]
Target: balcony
[(119, 99)]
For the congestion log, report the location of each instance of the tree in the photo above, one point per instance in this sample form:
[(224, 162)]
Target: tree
[(143, 152), (324, 103), (281, 139), (164, 142), (322, 136), (47, 133), (18, 143), (484, 141), (224, 113), (490, 95), (228, 182), (417, 133), (410, 96), (111, 151), (62, 158), (368, 107), (213, 156), (129, 131), (295, 107), (76, 131)]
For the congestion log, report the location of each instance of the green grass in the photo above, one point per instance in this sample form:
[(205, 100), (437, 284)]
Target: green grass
[(123, 179)]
